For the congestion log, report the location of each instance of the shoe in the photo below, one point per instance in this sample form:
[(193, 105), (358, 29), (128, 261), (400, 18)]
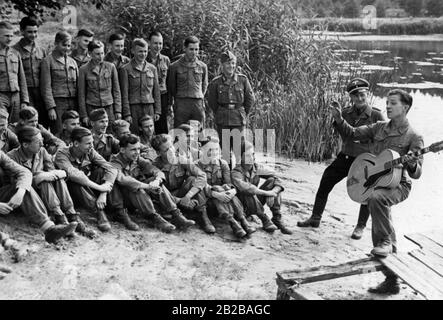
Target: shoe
[(122, 216), (162, 224), (60, 219), (236, 228), (389, 286), (268, 226), (277, 220), (81, 226), (383, 249), (56, 232), (311, 222), (102, 221), (358, 232), (206, 224), (180, 221), (246, 226)]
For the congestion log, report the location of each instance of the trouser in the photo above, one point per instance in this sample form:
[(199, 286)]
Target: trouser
[(36, 101), (199, 197), (227, 145), (138, 110), (186, 109), (161, 126), (379, 205), (253, 204), (11, 102), (234, 208), (55, 195), (333, 174), (62, 104), (32, 206)]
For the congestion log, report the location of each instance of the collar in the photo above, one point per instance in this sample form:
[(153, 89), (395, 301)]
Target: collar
[(234, 78), (95, 67), (24, 161), (73, 158), (113, 56), (98, 139), (183, 61), (59, 58), (401, 129), (136, 67), (26, 45), (367, 111)]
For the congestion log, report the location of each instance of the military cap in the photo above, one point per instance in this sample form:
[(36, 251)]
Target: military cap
[(227, 56), (98, 114), (4, 113), (357, 85)]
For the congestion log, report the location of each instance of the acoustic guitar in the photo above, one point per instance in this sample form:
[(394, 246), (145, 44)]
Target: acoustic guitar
[(368, 172)]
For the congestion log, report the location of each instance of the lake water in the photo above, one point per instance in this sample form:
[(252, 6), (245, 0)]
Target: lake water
[(416, 66)]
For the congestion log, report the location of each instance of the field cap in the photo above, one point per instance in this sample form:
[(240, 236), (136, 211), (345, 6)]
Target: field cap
[(227, 56), (357, 85)]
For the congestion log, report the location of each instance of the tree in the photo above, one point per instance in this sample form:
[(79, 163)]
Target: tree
[(351, 9), (381, 9), (434, 8), (413, 7)]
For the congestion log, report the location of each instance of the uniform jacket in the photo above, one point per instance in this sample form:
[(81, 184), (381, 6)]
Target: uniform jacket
[(32, 56), (15, 173), (106, 145), (247, 181), (147, 151), (8, 140), (162, 64), (117, 61), (75, 54), (12, 75), (188, 79)]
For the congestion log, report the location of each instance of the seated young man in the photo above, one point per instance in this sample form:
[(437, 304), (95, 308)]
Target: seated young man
[(139, 181), (220, 192), (17, 193), (398, 135), (184, 180), (146, 129), (185, 143), (91, 179), (246, 177), (28, 116), (105, 144), (8, 139), (120, 128), (70, 120), (47, 181)]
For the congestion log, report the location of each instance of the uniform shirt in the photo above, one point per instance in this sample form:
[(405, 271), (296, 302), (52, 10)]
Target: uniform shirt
[(147, 151), (50, 142), (40, 162), (230, 99), (176, 174), (133, 173), (78, 170), (217, 174), (58, 79), (32, 55), (75, 54), (106, 145), (118, 61), (15, 173), (401, 139), (12, 75), (370, 115), (247, 182), (139, 85), (162, 64), (8, 140), (98, 86), (188, 79)]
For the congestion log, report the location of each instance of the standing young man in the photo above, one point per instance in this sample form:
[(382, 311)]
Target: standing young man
[(187, 84), (357, 114), (32, 55), (80, 54), (398, 135), (13, 87), (162, 64), (117, 46)]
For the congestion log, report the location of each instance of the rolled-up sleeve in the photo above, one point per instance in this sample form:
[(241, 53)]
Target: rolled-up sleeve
[(242, 185), (63, 162), (124, 91)]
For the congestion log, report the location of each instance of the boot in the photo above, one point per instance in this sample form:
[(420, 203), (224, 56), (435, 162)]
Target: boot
[(277, 220), (122, 216), (313, 222), (358, 232), (162, 224), (383, 249), (206, 224), (268, 226), (246, 226), (180, 221), (60, 219), (102, 221), (389, 286), (81, 226), (236, 228), (55, 233)]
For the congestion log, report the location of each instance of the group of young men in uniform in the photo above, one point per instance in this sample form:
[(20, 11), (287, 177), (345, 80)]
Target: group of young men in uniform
[(122, 158)]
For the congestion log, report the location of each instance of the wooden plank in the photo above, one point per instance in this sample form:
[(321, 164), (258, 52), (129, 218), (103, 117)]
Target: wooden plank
[(426, 243), (436, 236), (304, 294), (322, 273), (415, 274), (282, 291), (430, 259)]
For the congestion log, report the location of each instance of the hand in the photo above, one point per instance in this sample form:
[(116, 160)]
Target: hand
[(411, 160), (156, 117), (17, 199), (23, 105), (44, 177), (185, 202), (105, 187), (52, 115), (85, 121), (128, 119), (155, 183), (5, 208), (335, 110), (60, 174), (118, 116), (221, 196), (271, 193), (101, 201)]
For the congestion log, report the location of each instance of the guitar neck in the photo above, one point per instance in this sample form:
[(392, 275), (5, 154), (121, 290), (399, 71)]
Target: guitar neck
[(402, 159)]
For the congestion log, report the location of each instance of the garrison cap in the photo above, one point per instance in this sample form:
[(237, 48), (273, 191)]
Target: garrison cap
[(98, 114), (227, 56), (4, 113), (357, 85)]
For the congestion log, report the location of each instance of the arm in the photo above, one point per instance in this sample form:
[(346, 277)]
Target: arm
[(123, 179), (82, 93), (249, 97), (116, 94), (172, 87), (241, 185), (200, 181), (358, 133), (205, 79), (24, 98), (23, 176), (415, 169), (156, 94), (62, 162), (12, 139), (124, 87), (45, 84), (213, 96), (266, 172)]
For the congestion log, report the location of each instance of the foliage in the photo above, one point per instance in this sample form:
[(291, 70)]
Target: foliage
[(29, 7)]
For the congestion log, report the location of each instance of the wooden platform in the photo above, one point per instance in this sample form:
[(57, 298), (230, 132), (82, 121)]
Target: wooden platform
[(421, 269)]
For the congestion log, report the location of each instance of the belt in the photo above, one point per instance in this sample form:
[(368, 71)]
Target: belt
[(229, 106)]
